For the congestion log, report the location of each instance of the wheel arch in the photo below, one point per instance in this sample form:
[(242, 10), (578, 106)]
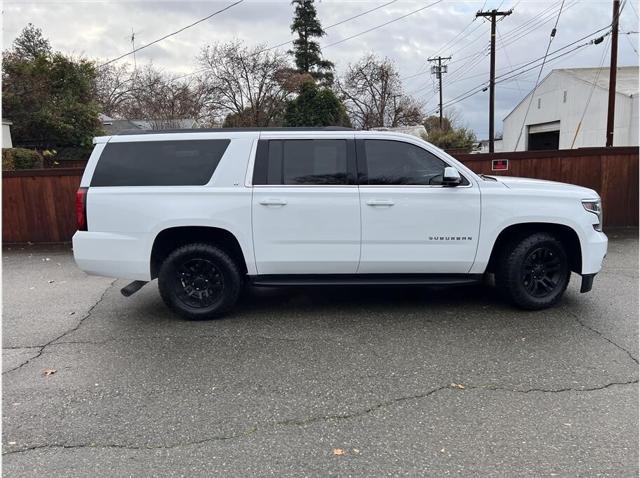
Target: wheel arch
[(170, 238), (565, 234)]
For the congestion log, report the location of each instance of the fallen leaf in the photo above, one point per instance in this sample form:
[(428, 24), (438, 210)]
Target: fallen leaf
[(339, 452), (458, 385), (48, 371)]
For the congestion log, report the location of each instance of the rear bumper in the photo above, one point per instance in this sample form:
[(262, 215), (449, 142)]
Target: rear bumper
[(112, 255)]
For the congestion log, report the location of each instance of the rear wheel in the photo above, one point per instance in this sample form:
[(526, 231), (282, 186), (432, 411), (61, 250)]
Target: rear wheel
[(534, 271), (199, 281)]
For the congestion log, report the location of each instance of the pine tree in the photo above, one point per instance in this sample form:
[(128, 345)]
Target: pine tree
[(315, 106), (306, 51)]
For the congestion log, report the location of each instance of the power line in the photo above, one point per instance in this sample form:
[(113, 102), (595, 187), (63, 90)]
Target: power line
[(382, 24), (172, 33), (533, 23), (551, 37), (509, 62), (493, 15), (291, 41), (474, 58), (333, 25), (631, 43), (514, 39), (593, 87), (439, 69), (504, 78)]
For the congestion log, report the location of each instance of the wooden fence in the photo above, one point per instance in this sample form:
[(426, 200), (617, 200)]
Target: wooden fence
[(39, 205), (612, 172)]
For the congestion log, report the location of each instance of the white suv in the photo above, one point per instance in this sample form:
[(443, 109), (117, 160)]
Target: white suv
[(205, 211)]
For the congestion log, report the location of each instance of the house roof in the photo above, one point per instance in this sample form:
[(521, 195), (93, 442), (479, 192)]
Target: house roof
[(116, 126), (626, 80), (183, 123)]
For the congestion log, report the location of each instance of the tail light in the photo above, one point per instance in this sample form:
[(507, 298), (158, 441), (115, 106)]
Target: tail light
[(81, 208)]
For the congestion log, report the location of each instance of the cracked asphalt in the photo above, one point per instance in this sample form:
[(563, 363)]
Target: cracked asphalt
[(317, 382)]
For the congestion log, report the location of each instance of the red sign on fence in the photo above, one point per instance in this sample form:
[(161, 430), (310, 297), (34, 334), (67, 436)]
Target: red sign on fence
[(500, 165)]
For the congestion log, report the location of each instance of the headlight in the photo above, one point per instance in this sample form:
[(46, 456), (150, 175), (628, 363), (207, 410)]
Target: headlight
[(594, 206)]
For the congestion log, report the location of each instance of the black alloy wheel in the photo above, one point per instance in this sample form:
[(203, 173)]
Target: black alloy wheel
[(541, 272), (533, 271), (200, 281)]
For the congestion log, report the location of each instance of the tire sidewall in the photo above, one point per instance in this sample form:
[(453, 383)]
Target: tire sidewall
[(515, 262), (168, 284)]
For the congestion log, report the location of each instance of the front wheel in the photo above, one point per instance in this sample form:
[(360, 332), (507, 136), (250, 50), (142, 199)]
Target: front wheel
[(534, 271), (199, 281)]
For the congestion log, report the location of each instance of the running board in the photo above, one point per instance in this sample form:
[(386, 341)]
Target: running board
[(363, 279)]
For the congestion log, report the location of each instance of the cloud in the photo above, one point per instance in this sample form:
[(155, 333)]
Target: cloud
[(102, 29)]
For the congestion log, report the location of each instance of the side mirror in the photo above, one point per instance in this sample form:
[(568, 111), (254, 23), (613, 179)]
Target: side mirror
[(451, 177)]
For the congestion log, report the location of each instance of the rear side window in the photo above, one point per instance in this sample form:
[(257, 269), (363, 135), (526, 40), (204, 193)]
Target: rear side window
[(159, 163), (302, 162)]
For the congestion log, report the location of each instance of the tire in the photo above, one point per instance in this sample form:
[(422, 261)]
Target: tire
[(199, 282), (533, 271)]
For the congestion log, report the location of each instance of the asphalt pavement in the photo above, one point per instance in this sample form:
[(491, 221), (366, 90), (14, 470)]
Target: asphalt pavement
[(344, 381)]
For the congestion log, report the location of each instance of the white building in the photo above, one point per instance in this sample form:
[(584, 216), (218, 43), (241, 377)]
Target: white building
[(6, 134), (483, 146), (559, 103)]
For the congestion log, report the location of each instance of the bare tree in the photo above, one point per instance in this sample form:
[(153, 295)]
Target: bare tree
[(372, 92), (150, 95), (248, 84), (163, 100), (114, 88)]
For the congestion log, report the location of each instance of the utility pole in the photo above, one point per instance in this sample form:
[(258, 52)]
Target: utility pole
[(493, 14), (611, 112), (438, 70)]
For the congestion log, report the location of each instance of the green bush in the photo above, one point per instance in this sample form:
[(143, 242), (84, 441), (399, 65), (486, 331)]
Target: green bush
[(7, 160), (21, 158)]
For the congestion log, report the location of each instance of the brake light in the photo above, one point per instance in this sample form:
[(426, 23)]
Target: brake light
[(81, 209)]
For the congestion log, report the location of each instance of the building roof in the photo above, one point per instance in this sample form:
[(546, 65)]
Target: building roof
[(626, 80), (182, 123), (232, 130)]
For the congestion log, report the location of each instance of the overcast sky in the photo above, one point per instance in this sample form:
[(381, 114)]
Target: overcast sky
[(102, 29)]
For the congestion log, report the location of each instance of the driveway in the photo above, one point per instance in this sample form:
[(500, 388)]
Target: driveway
[(317, 382)]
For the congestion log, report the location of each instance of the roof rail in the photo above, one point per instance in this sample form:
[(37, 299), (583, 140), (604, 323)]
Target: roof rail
[(227, 130)]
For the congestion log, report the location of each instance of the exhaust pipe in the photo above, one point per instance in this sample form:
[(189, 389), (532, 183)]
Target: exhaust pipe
[(132, 288)]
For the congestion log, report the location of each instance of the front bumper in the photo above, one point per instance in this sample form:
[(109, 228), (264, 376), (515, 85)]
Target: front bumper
[(594, 250), (587, 282)]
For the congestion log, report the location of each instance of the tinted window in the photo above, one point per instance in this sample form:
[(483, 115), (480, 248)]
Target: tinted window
[(398, 163), (159, 163), (307, 161)]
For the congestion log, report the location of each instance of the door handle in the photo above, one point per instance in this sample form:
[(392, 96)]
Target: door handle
[(380, 202), (273, 202)]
